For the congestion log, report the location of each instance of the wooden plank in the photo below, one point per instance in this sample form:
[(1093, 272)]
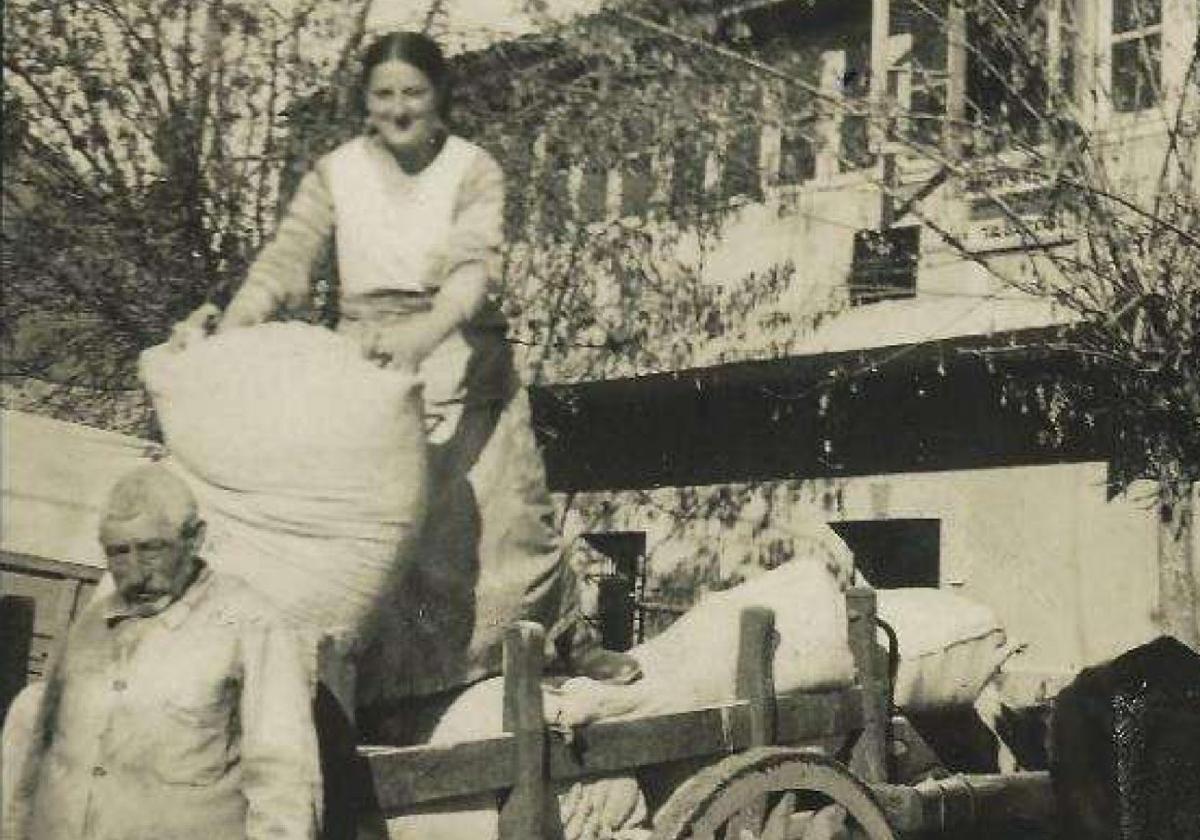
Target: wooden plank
[(617, 746), (529, 812), (870, 754), (755, 672), (83, 596), (755, 684), (410, 776), (880, 66), (17, 562), (812, 716), (954, 129)]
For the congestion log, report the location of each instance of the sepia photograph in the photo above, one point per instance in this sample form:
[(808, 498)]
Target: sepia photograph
[(600, 420)]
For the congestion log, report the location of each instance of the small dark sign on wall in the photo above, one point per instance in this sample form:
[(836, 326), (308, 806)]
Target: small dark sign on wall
[(884, 264)]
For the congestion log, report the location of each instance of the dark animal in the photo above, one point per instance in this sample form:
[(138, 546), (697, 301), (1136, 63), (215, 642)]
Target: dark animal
[(1125, 747)]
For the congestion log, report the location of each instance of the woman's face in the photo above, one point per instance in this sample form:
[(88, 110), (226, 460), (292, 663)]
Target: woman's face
[(402, 107)]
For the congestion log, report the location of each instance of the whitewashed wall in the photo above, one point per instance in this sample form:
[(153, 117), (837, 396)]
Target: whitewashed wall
[(1069, 573)]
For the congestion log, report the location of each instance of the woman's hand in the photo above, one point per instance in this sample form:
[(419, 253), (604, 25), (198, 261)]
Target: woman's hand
[(199, 324), (405, 346), (402, 347)]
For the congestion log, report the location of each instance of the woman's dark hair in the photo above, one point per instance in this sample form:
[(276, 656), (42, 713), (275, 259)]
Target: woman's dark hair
[(413, 48)]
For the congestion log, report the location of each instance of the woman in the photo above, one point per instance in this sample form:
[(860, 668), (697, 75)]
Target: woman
[(415, 216)]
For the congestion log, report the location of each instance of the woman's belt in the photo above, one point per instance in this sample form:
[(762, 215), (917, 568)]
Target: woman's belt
[(390, 304), (386, 302)]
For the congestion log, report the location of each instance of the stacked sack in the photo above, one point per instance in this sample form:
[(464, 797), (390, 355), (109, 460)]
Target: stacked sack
[(950, 647), (308, 463), (693, 663)]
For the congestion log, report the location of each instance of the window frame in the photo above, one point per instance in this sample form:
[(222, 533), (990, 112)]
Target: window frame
[(1136, 34), (1177, 31)]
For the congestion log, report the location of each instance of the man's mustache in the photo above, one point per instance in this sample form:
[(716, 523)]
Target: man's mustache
[(143, 587)]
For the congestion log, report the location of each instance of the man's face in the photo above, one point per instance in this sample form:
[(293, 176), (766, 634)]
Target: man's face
[(148, 557)]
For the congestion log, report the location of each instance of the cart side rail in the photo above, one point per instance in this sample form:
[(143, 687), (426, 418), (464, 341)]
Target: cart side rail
[(529, 752), (409, 776)]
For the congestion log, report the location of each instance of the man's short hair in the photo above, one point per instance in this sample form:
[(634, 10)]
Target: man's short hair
[(152, 490)]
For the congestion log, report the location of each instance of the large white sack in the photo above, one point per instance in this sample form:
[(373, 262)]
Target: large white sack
[(307, 460), (950, 646), (693, 663), (695, 659)]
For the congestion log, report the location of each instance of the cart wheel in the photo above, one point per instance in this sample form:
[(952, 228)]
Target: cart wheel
[(773, 793)]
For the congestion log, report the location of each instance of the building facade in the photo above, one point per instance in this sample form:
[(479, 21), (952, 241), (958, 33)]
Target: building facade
[(814, 309)]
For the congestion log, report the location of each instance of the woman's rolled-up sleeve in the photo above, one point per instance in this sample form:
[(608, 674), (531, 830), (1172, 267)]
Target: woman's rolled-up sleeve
[(281, 273)]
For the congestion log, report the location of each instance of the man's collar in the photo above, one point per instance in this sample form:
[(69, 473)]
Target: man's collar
[(172, 611)]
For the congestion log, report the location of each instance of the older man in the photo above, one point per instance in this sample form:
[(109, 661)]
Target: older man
[(179, 708)]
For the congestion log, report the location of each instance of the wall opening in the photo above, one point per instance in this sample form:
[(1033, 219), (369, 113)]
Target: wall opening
[(895, 553), (620, 581)]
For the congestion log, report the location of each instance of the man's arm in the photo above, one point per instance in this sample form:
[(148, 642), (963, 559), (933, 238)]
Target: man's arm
[(281, 775)]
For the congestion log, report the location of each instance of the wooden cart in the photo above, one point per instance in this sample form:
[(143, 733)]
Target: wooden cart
[(769, 762)]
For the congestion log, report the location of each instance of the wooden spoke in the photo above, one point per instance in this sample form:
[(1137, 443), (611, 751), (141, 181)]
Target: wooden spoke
[(776, 827), (755, 796)]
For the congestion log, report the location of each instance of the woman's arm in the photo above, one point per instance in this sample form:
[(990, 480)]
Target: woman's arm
[(473, 261), (280, 274)]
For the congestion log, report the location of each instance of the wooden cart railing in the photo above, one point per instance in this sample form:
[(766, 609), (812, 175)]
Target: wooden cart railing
[(529, 758), (748, 775)]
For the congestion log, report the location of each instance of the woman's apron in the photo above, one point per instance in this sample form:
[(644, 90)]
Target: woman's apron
[(489, 554)]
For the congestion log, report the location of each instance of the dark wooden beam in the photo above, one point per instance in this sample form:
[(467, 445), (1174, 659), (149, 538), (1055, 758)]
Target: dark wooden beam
[(870, 754), (530, 811), (756, 672)]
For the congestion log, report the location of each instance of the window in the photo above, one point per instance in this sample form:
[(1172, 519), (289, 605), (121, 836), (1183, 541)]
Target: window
[(593, 192), (916, 77), (637, 184), (798, 137), (896, 552), (884, 264), (1136, 54), (824, 44), (689, 162), (855, 83), (1064, 23), (1014, 64), (518, 204), (555, 188), (1007, 63), (621, 584), (740, 173), (797, 152), (637, 170)]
